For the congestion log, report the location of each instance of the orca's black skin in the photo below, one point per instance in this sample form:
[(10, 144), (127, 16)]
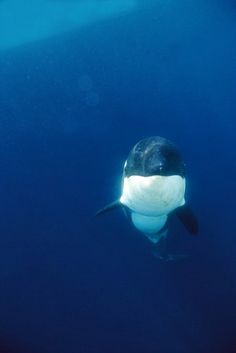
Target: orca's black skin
[(187, 217), (113, 205), (154, 156)]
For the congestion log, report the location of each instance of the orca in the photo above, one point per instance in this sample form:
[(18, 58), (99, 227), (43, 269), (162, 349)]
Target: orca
[(153, 189)]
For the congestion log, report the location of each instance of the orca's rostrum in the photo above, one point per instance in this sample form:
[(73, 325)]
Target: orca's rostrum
[(153, 188)]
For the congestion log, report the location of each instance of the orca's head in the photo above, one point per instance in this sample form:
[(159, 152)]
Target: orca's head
[(154, 156), (153, 181)]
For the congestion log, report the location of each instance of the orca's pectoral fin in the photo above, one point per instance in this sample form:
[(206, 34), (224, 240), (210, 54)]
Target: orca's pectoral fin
[(109, 207), (187, 217)]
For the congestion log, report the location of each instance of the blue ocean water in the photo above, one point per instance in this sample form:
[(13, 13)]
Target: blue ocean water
[(72, 105)]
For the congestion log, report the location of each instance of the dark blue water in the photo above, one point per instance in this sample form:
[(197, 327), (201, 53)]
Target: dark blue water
[(71, 108)]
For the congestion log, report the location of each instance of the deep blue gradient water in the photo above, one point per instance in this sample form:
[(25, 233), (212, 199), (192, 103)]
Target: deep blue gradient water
[(71, 108)]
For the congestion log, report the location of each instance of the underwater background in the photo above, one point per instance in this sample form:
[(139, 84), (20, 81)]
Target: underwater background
[(74, 99)]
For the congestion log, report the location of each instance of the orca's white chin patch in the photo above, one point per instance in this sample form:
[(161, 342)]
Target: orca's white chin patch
[(153, 195)]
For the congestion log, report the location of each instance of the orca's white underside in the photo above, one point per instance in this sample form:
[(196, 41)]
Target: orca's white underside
[(151, 199), (153, 195)]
